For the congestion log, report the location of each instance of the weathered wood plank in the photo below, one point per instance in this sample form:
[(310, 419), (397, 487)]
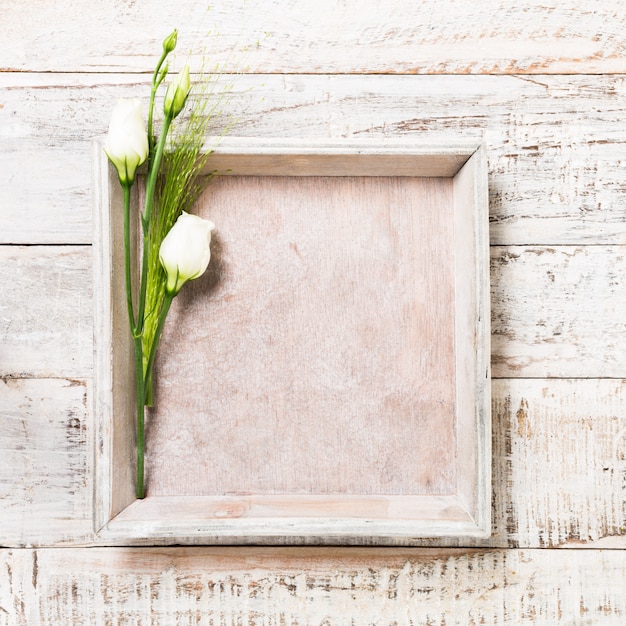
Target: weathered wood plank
[(45, 446), (494, 37), (558, 312), (268, 587), (555, 144), (559, 462), (46, 179), (46, 312), (573, 431)]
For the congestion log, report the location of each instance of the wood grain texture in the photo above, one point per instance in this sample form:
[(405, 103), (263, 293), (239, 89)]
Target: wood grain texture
[(46, 312), (528, 512), (262, 587), (45, 446), (559, 445), (555, 144), (460, 37), (571, 300)]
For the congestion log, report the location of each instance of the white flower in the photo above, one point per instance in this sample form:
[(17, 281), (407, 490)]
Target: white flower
[(176, 94), (126, 144), (185, 252)]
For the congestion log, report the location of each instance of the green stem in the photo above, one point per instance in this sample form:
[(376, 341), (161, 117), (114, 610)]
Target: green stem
[(154, 167), (145, 221), (138, 346), (139, 326), (155, 85), (129, 293), (141, 436), (167, 301)]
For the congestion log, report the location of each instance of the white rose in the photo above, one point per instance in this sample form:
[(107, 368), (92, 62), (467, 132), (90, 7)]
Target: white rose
[(185, 252), (126, 144)]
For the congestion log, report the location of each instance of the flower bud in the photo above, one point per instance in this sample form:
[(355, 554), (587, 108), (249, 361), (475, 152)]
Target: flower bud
[(169, 43), (126, 144), (185, 252), (176, 94)]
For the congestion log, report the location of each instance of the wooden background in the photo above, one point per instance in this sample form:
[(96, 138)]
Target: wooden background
[(544, 81)]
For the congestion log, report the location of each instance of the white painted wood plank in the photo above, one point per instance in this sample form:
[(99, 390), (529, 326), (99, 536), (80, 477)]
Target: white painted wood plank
[(555, 144), (46, 180), (559, 462), (558, 312), (267, 587), (366, 36), (45, 447), (46, 312)]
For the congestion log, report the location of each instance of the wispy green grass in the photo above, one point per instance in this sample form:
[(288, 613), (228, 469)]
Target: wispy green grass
[(182, 181)]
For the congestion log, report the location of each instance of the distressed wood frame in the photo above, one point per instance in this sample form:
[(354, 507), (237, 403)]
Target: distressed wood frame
[(310, 519)]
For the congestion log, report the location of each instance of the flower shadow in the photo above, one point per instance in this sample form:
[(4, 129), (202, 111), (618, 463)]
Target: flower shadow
[(188, 307)]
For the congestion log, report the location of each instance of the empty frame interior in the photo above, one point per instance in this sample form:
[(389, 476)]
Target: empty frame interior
[(315, 383)]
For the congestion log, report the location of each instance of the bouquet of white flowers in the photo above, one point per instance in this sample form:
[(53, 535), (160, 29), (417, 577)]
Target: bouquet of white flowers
[(176, 245)]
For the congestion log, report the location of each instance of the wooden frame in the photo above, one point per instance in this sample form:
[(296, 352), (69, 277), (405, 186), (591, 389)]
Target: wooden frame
[(387, 519)]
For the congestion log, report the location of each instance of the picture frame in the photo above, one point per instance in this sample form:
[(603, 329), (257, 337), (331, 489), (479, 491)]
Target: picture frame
[(360, 198)]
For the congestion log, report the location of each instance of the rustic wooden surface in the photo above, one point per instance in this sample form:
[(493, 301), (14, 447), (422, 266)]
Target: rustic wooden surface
[(292, 587), (300, 36), (547, 92)]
